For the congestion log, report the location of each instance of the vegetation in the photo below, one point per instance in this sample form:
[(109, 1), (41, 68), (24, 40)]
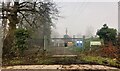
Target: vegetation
[(118, 46), (87, 43), (82, 59), (101, 60), (21, 36), (37, 17), (107, 34), (28, 15)]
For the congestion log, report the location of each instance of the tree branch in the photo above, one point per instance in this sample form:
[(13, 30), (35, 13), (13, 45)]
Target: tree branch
[(25, 18)]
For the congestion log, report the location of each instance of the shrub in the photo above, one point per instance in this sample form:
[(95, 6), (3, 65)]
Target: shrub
[(110, 51), (21, 36)]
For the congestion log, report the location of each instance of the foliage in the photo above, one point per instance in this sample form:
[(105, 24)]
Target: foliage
[(83, 59), (100, 60), (110, 51), (118, 40), (21, 36), (87, 43), (76, 49), (103, 51), (15, 62), (25, 14), (118, 45), (107, 34)]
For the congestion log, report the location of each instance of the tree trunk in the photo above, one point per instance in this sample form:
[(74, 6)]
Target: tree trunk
[(8, 42)]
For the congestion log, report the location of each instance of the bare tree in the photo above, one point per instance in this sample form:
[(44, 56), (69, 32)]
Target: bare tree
[(25, 14)]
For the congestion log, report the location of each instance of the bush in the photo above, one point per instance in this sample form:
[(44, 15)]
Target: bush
[(100, 60), (110, 51), (21, 36)]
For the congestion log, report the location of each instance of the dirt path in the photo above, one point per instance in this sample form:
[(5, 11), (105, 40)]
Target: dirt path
[(71, 67), (61, 51)]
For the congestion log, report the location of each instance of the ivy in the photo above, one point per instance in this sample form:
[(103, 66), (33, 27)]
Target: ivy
[(21, 36)]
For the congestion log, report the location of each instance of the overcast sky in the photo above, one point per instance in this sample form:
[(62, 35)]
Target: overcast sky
[(86, 0), (83, 17)]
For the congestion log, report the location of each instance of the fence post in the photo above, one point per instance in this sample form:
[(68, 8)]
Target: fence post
[(44, 42), (44, 48)]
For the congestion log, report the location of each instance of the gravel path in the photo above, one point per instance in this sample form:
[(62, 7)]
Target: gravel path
[(80, 67)]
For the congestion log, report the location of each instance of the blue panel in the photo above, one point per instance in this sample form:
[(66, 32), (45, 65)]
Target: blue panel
[(79, 44)]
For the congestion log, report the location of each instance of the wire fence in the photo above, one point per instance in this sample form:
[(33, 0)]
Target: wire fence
[(57, 46)]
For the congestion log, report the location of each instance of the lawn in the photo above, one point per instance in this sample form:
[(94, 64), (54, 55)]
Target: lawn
[(81, 59)]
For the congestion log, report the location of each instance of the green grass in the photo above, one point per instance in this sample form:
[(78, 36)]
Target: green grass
[(14, 62), (76, 49), (100, 60), (44, 61), (67, 60)]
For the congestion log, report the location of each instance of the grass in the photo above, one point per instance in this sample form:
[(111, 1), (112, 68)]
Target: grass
[(14, 62), (46, 61), (76, 49), (83, 59), (100, 60)]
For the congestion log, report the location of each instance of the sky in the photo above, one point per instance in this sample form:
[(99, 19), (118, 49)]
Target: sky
[(86, 0), (85, 18)]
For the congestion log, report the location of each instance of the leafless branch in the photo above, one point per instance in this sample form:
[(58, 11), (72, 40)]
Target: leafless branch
[(25, 18)]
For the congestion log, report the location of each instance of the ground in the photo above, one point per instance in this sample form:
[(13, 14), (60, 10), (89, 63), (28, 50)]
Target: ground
[(68, 67), (62, 51)]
